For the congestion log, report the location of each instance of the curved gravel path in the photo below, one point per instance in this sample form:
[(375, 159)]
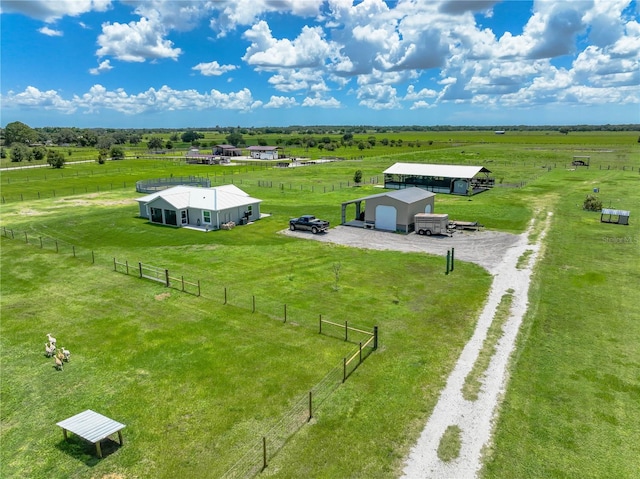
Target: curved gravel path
[(476, 418), (498, 253)]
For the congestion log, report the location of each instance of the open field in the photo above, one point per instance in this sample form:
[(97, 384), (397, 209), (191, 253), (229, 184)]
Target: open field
[(193, 378)]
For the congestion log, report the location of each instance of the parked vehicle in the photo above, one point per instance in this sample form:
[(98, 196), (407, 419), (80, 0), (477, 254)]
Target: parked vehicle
[(309, 223), (433, 224)]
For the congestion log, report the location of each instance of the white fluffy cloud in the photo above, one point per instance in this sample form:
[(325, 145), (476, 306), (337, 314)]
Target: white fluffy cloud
[(213, 68), (104, 66), (50, 32), (99, 98), (281, 102), (50, 11), (135, 41)]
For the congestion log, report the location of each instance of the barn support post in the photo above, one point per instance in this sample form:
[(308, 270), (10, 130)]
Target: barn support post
[(452, 261)]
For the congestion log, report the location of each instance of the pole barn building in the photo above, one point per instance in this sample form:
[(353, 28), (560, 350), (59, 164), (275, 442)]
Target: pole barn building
[(390, 211), (449, 179)]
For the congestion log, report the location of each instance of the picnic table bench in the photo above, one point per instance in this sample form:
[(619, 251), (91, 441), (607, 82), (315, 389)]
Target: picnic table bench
[(91, 426)]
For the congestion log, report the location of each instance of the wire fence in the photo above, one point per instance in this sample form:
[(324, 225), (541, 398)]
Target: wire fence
[(258, 451)]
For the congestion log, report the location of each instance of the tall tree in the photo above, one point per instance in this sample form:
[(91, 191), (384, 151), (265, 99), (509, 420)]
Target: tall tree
[(155, 143), (55, 159), (20, 152), (18, 132)]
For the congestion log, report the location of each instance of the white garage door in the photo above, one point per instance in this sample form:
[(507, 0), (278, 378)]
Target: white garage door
[(386, 217)]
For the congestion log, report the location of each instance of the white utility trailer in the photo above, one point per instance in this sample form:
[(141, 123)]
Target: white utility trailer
[(432, 224)]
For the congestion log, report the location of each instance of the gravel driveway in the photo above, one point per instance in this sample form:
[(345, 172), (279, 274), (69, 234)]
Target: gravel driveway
[(486, 248)]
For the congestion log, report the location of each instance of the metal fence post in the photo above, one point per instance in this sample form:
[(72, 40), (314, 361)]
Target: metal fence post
[(375, 337), (452, 256)]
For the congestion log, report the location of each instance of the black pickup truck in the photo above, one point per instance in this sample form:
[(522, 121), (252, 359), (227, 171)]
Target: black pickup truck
[(309, 223)]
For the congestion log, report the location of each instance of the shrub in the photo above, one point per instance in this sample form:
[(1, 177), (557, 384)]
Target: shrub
[(592, 203)]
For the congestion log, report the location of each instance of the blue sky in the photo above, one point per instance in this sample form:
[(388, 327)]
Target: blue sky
[(178, 64)]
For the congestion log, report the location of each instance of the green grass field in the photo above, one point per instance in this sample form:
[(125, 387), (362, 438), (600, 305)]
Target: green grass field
[(193, 379)]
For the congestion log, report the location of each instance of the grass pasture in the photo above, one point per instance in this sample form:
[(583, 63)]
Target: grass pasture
[(194, 379)]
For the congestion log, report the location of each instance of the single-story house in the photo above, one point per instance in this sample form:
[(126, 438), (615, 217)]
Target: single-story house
[(226, 150), (204, 207), (391, 211), (263, 152), (449, 179)]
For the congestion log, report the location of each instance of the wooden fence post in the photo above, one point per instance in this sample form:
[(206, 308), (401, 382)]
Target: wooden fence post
[(73, 248), (140, 268), (115, 268), (285, 313), (198, 287), (320, 325), (346, 331), (26, 240), (225, 295), (310, 407), (452, 256), (254, 303)]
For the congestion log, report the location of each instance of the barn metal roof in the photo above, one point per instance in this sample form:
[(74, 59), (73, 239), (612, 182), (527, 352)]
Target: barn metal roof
[(607, 211), (406, 195), (216, 199), (445, 171)]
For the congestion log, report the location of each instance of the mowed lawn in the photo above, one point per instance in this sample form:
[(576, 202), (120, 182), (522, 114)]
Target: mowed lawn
[(195, 379), (572, 409)]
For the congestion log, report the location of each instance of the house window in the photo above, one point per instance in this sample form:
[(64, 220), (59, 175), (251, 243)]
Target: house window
[(156, 215), (185, 219), (206, 217)]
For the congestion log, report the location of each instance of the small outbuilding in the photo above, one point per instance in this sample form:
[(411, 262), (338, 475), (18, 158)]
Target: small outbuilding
[(263, 152), (206, 208), (620, 217), (449, 179), (390, 211)]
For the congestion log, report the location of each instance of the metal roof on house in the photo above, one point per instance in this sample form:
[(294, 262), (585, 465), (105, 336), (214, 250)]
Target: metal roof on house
[(217, 198), (262, 148), (445, 171), (607, 211), (406, 195)]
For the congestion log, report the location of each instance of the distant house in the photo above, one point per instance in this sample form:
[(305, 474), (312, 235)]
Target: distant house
[(263, 152), (226, 150), (449, 179), (390, 211), (199, 207)]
